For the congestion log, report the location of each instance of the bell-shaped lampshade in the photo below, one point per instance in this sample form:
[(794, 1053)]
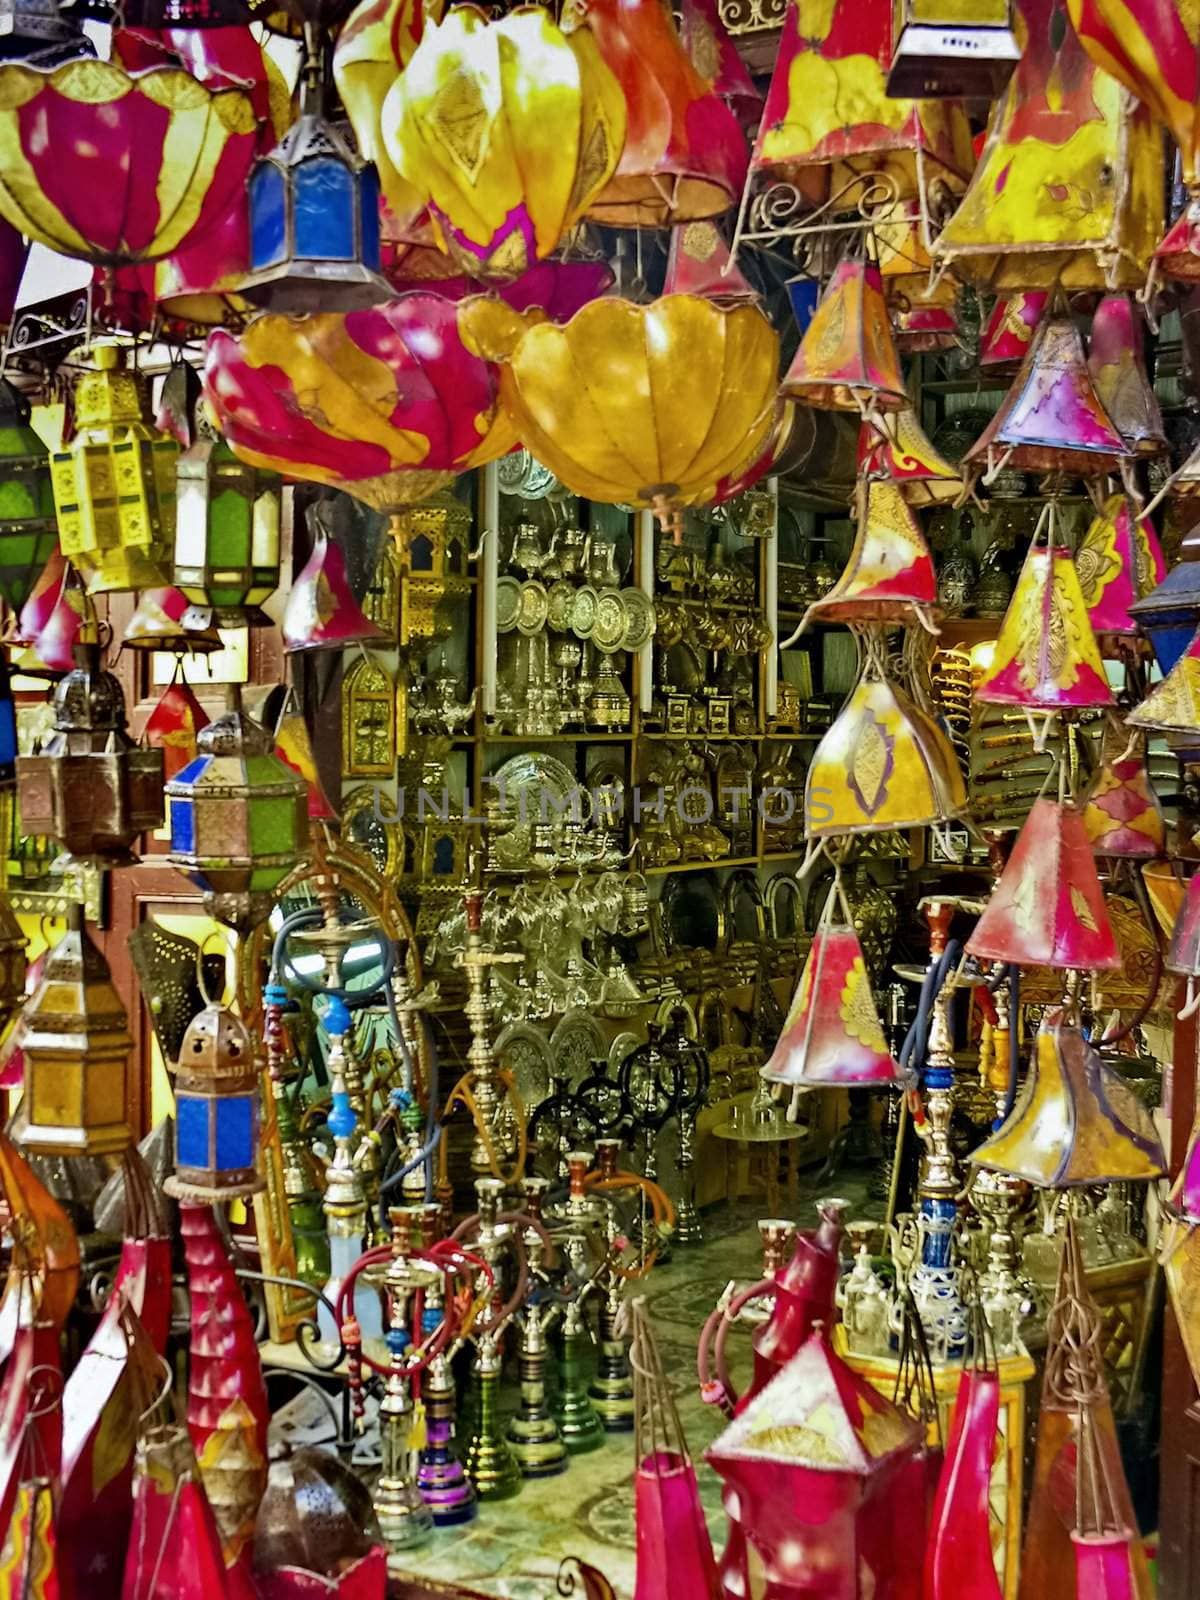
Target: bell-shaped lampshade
[(1122, 815), (321, 611), (1046, 658), (889, 576), (1051, 419), (1118, 371), (846, 360), (161, 622), (900, 450), (684, 155), (1074, 1122), (699, 262), (1047, 910), (1009, 331), (833, 1035), (1119, 562), (1173, 706), (1017, 229), (882, 765), (172, 726)]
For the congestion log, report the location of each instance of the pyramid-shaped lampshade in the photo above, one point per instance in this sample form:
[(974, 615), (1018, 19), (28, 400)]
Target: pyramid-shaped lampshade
[(1178, 256), (1046, 658), (1118, 372), (293, 746), (926, 324), (847, 360), (1183, 956), (1047, 910), (1180, 1249), (1173, 706), (1009, 331), (54, 629), (833, 1034), (161, 622), (899, 449), (698, 262), (172, 727), (882, 765), (321, 611), (1075, 1121), (1184, 1200), (1119, 562), (889, 576), (1122, 815), (1051, 419)]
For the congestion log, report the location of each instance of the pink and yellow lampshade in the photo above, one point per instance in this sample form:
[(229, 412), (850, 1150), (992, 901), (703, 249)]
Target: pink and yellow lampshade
[(1051, 419), (715, 57), (785, 444), (833, 1036), (1183, 954), (1179, 1250), (684, 154), (829, 126), (1009, 331), (387, 404), (172, 726), (889, 576), (1075, 1121), (882, 765), (293, 746), (899, 450), (1047, 910), (161, 622), (699, 262), (52, 621), (924, 309), (1119, 562), (846, 359), (1118, 371), (1121, 814), (322, 612), (1069, 185), (182, 150), (1173, 706), (1046, 657), (680, 394), (507, 130)]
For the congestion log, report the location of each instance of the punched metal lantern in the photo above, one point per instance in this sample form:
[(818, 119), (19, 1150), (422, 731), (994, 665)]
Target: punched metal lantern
[(314, 217), (75, 1041), (216, 1111), (27, 527), (114, 484), (939, 53), (226, 532), (90, 787), (238, 817)]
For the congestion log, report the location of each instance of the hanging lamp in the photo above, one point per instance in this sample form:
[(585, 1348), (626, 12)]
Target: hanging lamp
[(889, 575), (846, 359), (1117, 369), (899, 450)]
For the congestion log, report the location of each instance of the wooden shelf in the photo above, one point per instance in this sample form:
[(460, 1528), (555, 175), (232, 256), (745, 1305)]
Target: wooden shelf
[(701, 866)]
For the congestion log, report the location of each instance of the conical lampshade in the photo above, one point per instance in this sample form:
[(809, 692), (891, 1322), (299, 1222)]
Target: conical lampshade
[(833, 1034), (293, 745), (699, 263), (899, 449), (1119, 562), (172, 727), (1047, 910), (889, 576), (1118, 372), (1009, 331), (1178, 256), (847, 360), (160, 623), (1122, 815), (1051, 419), (1183, 956), (43, 596), (321, 611), (1075, 1121), (1046, 658), (881, 766), (52, 647), (1173, 706)]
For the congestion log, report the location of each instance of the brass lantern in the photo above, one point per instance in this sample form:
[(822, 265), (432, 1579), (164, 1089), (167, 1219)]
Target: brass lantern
[(27, 528), (226, 532), (74, 1036), (239, 818), (90, 787), (114, 484), (216, 1111)]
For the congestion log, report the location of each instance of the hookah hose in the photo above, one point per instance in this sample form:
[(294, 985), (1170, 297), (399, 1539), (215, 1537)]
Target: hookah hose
[(461, 1095), (912, 1051), (353, 999), (433, 1128), (445, 1262), (710, 1353), (662, 1211)]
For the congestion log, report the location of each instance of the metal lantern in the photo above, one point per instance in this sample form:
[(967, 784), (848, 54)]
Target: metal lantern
[(216, 1111), (1170, 613), (114, 484), (27, 527), (75, 1040), (940, 53), (34, 28), (226, 531), (314, 216), (238, 816), (90, 787)]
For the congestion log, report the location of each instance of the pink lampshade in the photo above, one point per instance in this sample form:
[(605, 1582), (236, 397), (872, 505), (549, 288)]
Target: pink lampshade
[(1009, 330), (321, 611), (715, 57), (674, 1551), (1119, 561), (1104, 1567), (1185, 1191), (14, 253), (364, 1579), (833, 1034), (699, 262), (1118, 372), (958, 1554), (1046, 658)]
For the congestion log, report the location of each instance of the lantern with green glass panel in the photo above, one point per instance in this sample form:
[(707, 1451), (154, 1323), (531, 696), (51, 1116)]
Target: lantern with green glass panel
[(226, 532), (238, 817), (28, 531)]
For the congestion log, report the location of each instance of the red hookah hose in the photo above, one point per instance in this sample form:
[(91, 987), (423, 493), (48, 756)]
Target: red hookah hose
[(437, 1341), (518, 1294), (720, 1391)]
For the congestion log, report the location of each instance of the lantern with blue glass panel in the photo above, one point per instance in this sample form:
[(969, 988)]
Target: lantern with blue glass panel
[(238, 818), (314, 215), (1170, 614), (216, 1111)]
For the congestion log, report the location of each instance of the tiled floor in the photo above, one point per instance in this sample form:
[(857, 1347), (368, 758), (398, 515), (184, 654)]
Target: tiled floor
[(514, 1549)]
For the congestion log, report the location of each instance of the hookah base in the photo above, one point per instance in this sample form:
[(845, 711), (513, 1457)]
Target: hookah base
[(539, 1456), (493, 1469), (612, 1401), (449, 1494), (688, 1231), (581, 1430)]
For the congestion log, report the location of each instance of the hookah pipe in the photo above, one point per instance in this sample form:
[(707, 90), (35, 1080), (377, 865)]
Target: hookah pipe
[(609, 1179)]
